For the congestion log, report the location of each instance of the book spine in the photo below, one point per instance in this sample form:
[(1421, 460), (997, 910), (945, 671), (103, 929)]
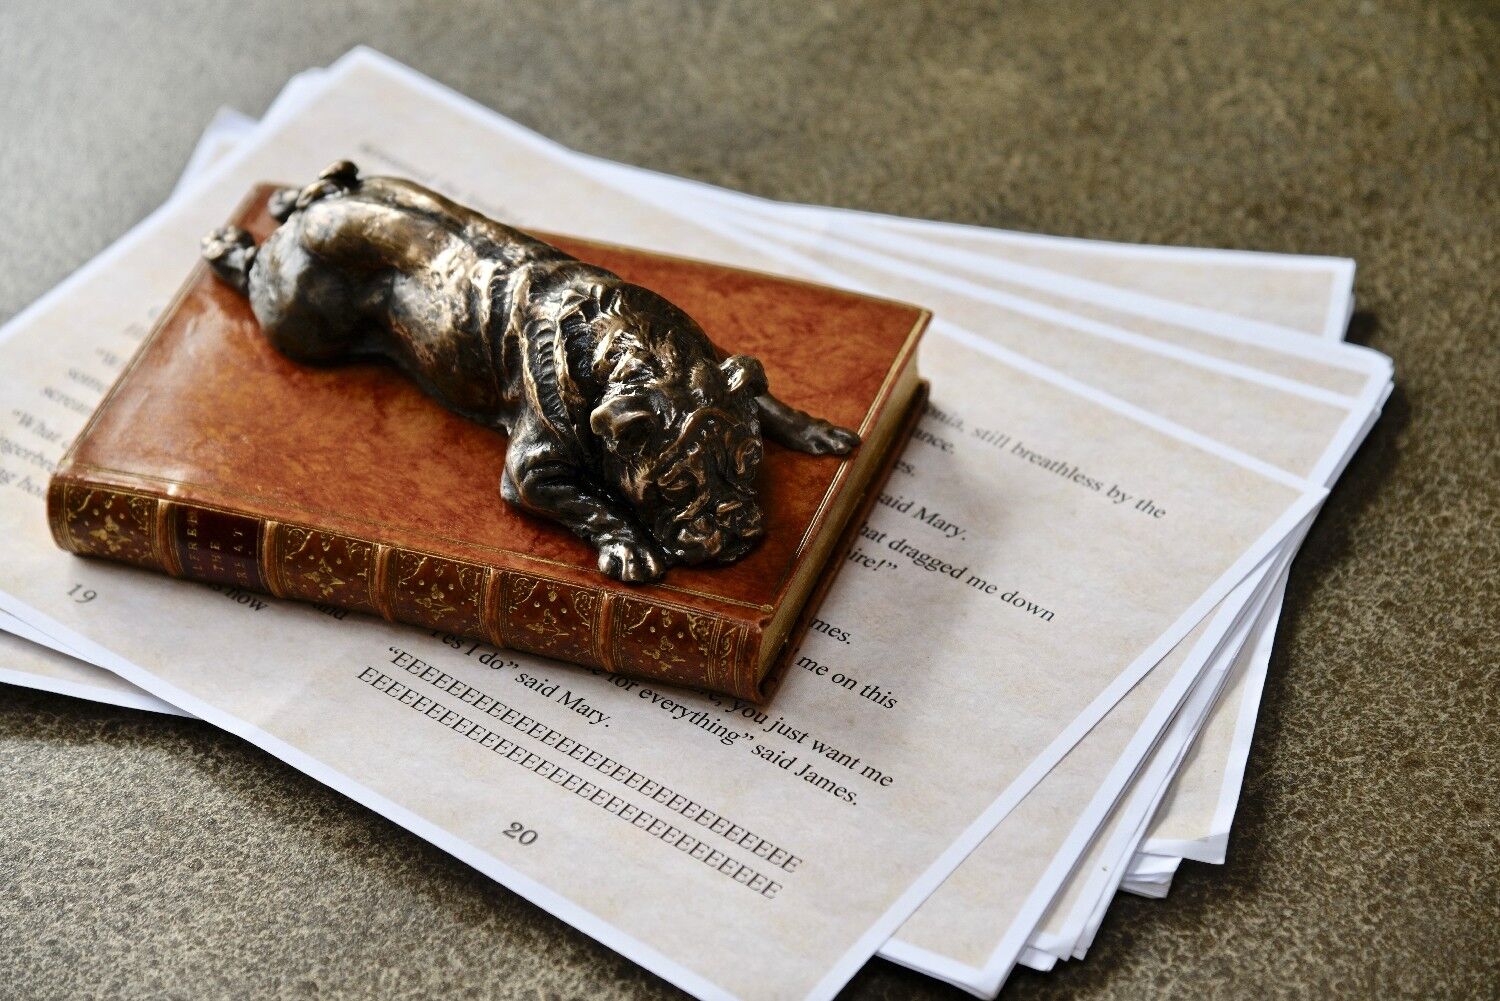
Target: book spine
[(594, 626)]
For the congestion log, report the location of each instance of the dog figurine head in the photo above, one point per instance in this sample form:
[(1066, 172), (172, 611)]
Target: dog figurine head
[(678, 429)]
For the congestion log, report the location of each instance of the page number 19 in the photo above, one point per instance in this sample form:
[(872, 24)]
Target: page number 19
[(82, 595)]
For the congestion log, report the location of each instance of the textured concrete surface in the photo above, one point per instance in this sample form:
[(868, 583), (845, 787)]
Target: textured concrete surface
[(152, 857)]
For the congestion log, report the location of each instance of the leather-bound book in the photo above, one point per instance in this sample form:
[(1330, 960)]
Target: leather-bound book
[(216, 458)]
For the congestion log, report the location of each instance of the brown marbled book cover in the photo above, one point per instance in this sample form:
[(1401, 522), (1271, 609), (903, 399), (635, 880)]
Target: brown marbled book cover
[(216, 458)]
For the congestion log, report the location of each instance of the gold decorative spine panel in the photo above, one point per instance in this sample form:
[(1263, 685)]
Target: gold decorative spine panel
[(520, 610)]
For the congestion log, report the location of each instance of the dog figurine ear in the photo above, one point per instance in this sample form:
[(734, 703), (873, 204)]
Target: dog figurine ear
[(622, 418), (745, 374)]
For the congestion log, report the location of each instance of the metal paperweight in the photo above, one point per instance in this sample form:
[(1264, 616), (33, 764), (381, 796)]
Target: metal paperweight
[(625, 422)]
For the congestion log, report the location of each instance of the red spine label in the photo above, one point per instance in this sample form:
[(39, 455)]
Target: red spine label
[(219, 547)]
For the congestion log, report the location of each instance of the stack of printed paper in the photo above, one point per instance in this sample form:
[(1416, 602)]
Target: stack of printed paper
[(1124, 447)]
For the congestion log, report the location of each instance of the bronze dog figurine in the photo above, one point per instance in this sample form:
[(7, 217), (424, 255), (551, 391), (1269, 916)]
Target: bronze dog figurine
[(626, 424)]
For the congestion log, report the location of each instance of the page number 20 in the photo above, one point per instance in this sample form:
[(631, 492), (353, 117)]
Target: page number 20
[(520, 832)]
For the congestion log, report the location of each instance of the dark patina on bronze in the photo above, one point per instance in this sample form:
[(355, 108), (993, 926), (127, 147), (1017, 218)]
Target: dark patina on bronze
[(626, 423)]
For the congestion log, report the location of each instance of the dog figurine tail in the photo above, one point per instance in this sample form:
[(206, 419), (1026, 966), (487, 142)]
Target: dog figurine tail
[(230, 251), (337, 178)]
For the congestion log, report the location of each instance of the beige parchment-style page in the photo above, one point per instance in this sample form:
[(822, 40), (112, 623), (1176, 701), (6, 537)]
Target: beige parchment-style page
[(1048, 295), (1194, 820), (1194, 816), (974, 918), (1289, 290), (980, 904), (1064, 931), (1154, 291), (990, 904), (1280, 421), (1292, 355), (862, 786), (27, 659)]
